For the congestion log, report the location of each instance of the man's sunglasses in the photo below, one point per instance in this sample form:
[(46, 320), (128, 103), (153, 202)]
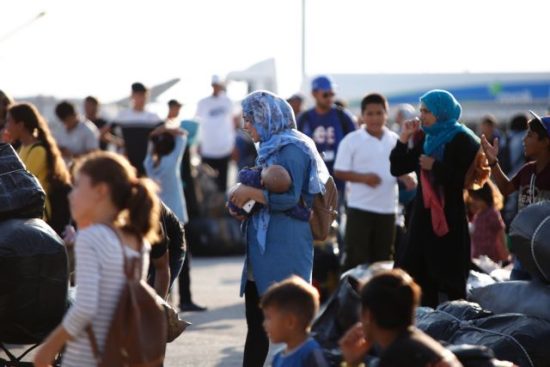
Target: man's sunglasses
[(328, 94)]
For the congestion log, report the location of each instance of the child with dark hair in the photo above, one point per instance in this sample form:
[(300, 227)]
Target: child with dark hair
[(289, 308), (388, 303), (163, 165), (487, 227), (532, 182), (372, 196)]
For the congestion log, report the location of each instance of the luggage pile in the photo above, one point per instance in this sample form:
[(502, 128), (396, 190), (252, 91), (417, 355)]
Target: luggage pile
[(33, 261)]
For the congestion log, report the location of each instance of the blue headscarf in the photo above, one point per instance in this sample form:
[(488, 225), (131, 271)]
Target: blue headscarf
[(274, 121), (446, 110)]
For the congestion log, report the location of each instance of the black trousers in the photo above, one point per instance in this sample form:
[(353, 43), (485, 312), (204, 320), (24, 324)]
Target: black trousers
[(184, 281), (257, 342), (220, 165), (369, 237)]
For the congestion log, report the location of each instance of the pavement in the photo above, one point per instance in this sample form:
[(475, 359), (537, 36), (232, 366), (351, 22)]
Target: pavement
[(216, 336)]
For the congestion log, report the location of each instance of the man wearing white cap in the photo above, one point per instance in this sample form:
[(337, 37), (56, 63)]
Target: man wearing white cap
[(217, 132)]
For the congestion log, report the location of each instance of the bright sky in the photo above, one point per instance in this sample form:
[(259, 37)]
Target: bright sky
[(100, 47)]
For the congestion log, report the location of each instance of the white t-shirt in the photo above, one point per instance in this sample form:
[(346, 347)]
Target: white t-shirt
[(217, 132), (137, 118), (83, 138), (361, 152)]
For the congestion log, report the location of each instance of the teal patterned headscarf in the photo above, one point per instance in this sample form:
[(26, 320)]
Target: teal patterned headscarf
[(446, 110)]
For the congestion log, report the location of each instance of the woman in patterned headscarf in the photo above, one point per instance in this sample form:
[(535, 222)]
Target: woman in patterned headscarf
[(437, 250), (278, 244)]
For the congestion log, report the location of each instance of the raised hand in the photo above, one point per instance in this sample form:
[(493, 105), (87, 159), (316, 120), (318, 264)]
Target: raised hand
[(491, 151), (408, 128)]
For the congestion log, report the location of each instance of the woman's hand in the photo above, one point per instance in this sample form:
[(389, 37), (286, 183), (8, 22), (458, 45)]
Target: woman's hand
[(236, 215), (408, 128), (426, 162), (353, 345), (240, 195), (53, 344), (44, 355), (491, 151), (409, 180)]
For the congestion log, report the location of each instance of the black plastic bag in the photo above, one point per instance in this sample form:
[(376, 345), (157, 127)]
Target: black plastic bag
[(464, 310), (512, 337), (474, 355), (438, 324), (531, 298), (530, 237), (340, 313), (33, 280), (21, 195)]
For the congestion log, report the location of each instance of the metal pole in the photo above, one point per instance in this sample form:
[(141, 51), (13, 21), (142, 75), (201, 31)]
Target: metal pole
[(303, 39), (21, 27)]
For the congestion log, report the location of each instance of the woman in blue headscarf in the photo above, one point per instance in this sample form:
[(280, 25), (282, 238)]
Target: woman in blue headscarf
[(278, 244), (437, 248)]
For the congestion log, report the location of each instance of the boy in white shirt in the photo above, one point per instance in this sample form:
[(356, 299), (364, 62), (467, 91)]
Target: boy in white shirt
[(363, 161)]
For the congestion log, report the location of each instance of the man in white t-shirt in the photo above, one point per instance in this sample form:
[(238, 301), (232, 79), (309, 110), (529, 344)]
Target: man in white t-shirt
[(77, 137), (217, 131), (136, 123), (363, 161)]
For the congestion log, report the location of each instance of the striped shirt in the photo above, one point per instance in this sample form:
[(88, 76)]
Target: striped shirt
[(99, 279)]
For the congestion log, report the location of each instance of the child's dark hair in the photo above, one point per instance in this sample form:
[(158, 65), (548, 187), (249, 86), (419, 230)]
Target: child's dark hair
[(163, 144), (519, 122), (391, 298), (488, 193), (34, 123), (538, 128), (135, 197), (65, 109), (374, 98), (293, 295)]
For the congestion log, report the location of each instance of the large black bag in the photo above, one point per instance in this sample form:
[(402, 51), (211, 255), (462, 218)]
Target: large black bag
[(512, 337), (340, 313), (21, 195), (530, 235), (33, 280), (525, 297), (215, 236)]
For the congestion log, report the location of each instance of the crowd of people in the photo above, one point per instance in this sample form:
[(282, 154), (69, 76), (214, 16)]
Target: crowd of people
[(427, 192)]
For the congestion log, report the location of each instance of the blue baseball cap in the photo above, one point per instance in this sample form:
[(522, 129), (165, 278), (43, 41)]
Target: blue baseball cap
[(544, 121), (322, 82)]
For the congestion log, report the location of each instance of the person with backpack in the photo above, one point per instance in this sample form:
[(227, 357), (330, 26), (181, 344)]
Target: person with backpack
[(278, 244), (118, 217), (39, 152)]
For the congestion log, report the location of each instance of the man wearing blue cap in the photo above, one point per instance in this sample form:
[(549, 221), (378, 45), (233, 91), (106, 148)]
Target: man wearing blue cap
[(326, 124)]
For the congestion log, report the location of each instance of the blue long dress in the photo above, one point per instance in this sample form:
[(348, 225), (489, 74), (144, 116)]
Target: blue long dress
[(289, 244)]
